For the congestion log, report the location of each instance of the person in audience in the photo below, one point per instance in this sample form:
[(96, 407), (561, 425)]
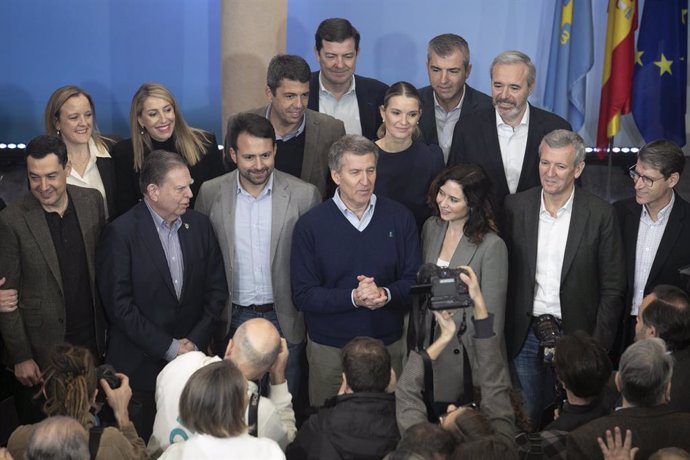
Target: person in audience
[(71, 115), (665, 313), (654, 223), (505, 139), (70, 389), (161, 278), (335, 89), (256, 349), (48, 243), (405, 167), (462, 232), (156, 123), (566, 268), (58, 438), (255, 208), (425, 440), (212, 406), (448, 97), (670, 453), (644, 380), (353, 261), (583, 369), (360, 421), (303, 136)]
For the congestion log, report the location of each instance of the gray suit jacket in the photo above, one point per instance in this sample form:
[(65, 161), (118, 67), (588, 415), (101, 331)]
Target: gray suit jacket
[(291, 198), (322, 131), (29, 261), (593, 274)]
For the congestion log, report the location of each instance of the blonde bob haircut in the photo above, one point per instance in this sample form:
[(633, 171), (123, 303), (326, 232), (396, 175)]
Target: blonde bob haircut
[(189, 142)]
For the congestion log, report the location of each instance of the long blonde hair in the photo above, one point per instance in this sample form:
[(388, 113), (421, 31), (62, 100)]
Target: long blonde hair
[(52, 113), (190, 142)]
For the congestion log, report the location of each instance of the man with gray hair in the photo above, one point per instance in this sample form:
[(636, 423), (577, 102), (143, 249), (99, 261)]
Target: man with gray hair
[(644, 380), (58, 438), (566, 267), (504, 140), (447, 97), (354, 259), (256, 349)]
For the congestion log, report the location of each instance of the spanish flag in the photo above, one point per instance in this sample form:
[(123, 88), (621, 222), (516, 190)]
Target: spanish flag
[(619, 60)]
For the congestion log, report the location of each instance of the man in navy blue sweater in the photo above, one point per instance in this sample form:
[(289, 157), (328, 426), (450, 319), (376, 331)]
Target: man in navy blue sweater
[(354, 258)]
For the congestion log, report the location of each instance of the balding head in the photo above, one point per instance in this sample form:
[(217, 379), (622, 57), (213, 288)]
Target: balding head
[(58, 438), (254, 347)]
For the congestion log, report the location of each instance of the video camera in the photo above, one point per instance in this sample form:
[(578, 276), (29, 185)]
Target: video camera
[(443, 286)]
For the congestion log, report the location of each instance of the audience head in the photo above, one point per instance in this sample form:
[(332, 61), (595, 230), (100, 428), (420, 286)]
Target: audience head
[(252, 146), (448, 66), (512, 81), (665, 313), (400, 112), (644, 376), (561, 162), (366, 365), (58, 438), (165, 183), (69, 382), (287, 89), (657, 171), (670, 453), (428, 441), (582, 365), (71, 115), (336, 48), (461, 192), (254, 347), (488, 448), (214, 400), (466, 423), (352, 161)]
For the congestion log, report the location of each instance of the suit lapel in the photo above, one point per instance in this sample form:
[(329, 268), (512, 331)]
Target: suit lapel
[(366, 107), (529, 163), (87, 215), (578, 224), (493, 150), (149, 236), (311, 143), (531, 230), (631, 227), (186, 236), (674, 230), (36, 222), (279, 206), (464, 253)]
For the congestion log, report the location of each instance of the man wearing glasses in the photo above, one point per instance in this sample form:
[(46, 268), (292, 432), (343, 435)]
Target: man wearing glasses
[(655, 225)]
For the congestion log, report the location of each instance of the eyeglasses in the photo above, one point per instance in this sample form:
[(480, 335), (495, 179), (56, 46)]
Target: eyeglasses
[(648, 181)]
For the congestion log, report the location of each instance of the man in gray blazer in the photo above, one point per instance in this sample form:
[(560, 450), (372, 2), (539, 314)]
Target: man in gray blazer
[(47, 247), (566, 265), (253, 211), (303, 135)]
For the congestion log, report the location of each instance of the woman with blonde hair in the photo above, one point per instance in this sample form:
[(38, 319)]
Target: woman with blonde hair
[(156, 123), (71, 115), (70, 389)]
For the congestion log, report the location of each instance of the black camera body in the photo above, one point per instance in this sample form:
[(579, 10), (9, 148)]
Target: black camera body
[(443, 285), (107, 372)]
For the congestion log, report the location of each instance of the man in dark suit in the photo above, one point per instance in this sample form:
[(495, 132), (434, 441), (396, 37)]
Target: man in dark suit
[(47, 248), (655, 225), (336, 90), (566, 265), (303, 136), (504, 140), (161, 278), (644, 380), (448, 97)]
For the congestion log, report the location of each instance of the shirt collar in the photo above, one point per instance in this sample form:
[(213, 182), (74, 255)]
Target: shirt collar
[(97, 152), (267, 190), (568, 206), (457, 107), (351, 89), (524, 122), (344, 209), (160, 222), (663, 213), (292, 134)]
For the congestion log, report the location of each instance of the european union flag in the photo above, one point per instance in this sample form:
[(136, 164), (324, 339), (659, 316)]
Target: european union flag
[(570, 59), (659, 85)]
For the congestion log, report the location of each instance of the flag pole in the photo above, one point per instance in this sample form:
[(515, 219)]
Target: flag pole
[(609, 169)]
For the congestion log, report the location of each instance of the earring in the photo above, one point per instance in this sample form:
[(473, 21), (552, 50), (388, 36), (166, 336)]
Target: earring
[(142, 130), (58, 133)]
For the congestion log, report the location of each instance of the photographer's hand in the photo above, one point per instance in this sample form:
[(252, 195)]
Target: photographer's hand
[(446, 323), (470, 279), (118, 398)]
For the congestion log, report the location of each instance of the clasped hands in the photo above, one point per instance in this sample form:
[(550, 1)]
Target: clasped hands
[(368, 295)]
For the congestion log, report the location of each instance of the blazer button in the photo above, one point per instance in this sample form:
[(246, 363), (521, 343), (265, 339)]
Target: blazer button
[(456, 351)]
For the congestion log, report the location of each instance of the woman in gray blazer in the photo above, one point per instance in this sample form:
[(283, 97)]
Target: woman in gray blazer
[(462, 232)]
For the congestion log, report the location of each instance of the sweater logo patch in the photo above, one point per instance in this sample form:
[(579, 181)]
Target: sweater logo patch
[(390, 234)]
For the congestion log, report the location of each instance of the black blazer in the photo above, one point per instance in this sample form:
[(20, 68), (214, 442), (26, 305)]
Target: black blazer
[(475, 140), (138, 294), (107, 171), (474, 100), (370, 94), (592, 279)]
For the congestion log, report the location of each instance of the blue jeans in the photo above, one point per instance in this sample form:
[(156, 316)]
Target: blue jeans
[(292, 369), (536, 379)]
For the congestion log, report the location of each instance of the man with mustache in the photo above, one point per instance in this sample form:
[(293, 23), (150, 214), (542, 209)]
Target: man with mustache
[(161, 278), (254, 210), (447, 97), (303, 136), (505, 139)]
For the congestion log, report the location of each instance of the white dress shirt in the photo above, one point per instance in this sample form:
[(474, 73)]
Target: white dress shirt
[(345, 109), (445, 123), (513, 142), (91, 177)]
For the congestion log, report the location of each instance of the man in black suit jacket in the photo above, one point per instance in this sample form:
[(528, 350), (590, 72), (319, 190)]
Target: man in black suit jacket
[(336, 90), (566, 260), (644, 381), (505, 140), (161, 278), (655, 225), (448, 97)]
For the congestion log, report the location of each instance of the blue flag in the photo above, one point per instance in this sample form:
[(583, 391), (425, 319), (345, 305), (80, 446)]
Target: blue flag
[(570, 59), (660, 79)]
